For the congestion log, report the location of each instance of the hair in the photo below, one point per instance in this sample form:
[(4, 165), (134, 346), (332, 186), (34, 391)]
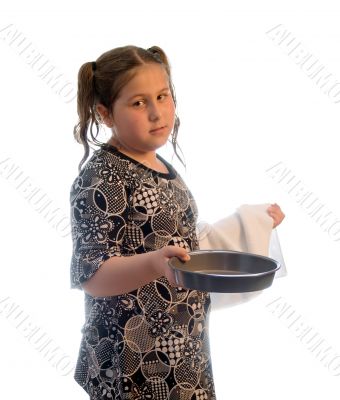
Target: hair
[(101, 82)]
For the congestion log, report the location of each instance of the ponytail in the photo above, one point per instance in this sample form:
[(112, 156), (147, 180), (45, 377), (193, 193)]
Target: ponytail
[(86, 109)]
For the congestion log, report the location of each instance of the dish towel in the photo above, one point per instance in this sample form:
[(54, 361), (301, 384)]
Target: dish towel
[(249, 229)]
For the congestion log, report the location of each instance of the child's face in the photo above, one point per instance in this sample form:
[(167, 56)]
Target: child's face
[(144, 104)]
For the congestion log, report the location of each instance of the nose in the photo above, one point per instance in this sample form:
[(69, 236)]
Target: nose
[(154, 111)]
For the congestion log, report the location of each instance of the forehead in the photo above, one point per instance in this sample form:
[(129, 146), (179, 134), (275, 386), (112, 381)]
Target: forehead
[(147, 79)]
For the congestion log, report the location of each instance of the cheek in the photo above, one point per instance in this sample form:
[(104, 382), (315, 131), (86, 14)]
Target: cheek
[(171, 109), (131, 122), (136, 122)]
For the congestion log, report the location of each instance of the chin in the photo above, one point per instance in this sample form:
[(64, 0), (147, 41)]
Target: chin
[(157, 142), (162, 142)]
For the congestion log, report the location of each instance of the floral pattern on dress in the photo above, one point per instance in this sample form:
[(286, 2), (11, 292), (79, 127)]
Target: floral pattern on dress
[(151, 343)]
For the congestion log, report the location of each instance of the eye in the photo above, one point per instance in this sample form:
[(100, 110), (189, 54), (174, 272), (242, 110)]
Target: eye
[(163, 95), (137, 103)]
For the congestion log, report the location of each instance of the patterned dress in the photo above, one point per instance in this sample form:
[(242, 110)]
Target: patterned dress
[(151, 343)]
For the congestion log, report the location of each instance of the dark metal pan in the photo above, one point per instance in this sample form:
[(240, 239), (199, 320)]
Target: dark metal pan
[(224, 271)]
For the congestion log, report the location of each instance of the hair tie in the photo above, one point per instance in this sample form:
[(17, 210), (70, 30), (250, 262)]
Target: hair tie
[(94, 66), (155, 53)]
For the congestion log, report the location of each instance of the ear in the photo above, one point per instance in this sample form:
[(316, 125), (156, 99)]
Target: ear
[(105, 115)]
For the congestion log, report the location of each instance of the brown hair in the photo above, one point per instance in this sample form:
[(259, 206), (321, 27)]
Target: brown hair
[(101, 82)]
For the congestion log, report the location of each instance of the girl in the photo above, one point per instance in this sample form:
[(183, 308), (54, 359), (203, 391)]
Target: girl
[(143, 337)]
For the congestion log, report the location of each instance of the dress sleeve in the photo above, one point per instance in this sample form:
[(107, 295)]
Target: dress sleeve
[(99, 212)]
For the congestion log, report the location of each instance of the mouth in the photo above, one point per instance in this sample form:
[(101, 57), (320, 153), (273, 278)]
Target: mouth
[(158, 130)]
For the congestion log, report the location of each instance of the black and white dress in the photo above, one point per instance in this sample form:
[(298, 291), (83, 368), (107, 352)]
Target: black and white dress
[(151, 343)]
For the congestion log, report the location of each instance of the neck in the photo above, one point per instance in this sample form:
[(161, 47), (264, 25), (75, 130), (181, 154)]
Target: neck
[(149, 159)]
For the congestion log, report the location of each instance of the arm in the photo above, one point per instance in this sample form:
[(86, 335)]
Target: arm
[(119, 275)]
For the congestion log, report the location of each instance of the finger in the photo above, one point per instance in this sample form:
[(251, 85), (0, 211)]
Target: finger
[(170, 275), (174, 251), (271, 213), (275, 207)]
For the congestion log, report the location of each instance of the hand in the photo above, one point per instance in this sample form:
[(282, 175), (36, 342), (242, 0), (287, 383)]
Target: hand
[(275, 212), (161, 258)]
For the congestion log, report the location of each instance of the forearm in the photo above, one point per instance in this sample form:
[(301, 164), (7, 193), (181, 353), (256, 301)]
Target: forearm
[(119, 275)]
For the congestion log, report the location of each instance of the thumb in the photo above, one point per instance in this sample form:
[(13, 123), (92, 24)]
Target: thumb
[(175, 251)]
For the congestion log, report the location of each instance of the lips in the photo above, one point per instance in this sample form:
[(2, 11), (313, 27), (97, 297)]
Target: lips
[(158, 130)]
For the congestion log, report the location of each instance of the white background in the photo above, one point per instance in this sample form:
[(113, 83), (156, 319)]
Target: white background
[(244, 106)]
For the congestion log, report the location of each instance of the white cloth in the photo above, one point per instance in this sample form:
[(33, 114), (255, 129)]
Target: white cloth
[(249, 229)]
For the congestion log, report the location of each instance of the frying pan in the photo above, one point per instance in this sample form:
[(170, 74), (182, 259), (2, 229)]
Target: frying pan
[(224, 271)]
